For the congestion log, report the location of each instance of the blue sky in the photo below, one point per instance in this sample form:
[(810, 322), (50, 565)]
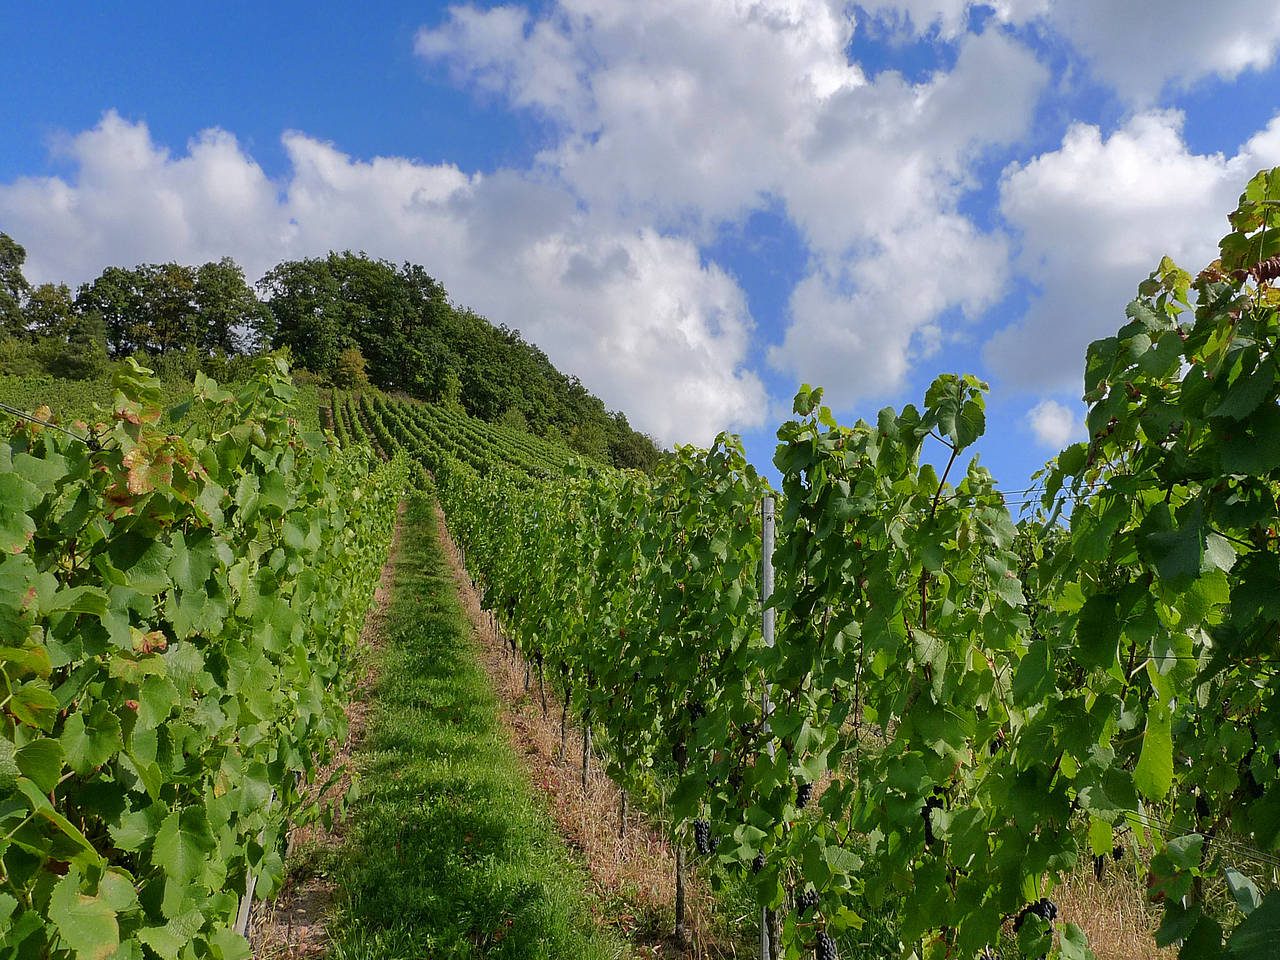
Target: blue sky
[(694, 206)]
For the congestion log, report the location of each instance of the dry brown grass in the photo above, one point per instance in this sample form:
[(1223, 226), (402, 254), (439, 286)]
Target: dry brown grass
[(292, 926), (633, 874), (1113, 912)]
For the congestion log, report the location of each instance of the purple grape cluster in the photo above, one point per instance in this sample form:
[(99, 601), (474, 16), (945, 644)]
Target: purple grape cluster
[(803, 792), (806, 900), (826, 947), (1044, 908), (702, 836)]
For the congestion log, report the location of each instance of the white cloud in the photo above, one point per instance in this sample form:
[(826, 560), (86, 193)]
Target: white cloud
[(689, 114), (671, 120), (1137, 48), (858, 329), (676, 112), (132, 202), (1095, 217), (632, 312), (945, 19), (1055, 424), (502, 51), (894, 254)]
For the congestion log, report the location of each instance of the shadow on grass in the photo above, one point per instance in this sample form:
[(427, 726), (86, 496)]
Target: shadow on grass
[(448, 853)]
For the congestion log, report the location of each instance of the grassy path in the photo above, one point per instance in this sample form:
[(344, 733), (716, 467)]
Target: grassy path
[(448, 853)]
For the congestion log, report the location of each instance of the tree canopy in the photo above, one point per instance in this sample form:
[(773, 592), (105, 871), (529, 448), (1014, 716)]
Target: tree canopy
[(344, 317)]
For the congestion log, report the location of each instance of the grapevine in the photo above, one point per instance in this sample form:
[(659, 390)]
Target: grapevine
[(176, 618)]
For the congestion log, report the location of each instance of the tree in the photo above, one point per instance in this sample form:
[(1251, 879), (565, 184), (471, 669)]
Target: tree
[(13, 285), (514, 419), (589, 438), (167, 321), (628, 448), (68, 343), (116, 299), (227, 310), (83, 353), (450, 396), (306, 313), (349, 370), (49, 311)]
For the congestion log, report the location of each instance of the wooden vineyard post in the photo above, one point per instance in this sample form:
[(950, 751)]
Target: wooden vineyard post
[(564, 711), (542, 686), (767, 627), (680, 932), (250, 885), (586, 750)]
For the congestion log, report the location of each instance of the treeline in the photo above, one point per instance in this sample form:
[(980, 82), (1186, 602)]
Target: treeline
[(346, 319)]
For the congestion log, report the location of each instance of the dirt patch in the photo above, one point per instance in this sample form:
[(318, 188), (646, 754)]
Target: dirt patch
[(633, 870), (293, 925)]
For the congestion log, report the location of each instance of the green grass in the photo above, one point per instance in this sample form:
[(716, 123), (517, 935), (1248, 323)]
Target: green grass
[(72, 400), (448, 853)]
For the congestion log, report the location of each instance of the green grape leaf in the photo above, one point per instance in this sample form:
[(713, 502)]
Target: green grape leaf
[(137, 827), (1176, 552), (1098, 632), (41, 761), (1073, 944), (118, 891), (229, 945), (34, 705), (1100, 838), (1259, 933), (1253, 448), (1091, 532), (168, 940), (1203, 942), (1247, 392), (1243, 889), (89, 744), (1153, 776), (182, 844), (86, 923)]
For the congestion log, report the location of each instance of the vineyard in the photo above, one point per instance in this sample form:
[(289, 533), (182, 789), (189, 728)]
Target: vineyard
[(885, 688), (177, 612)]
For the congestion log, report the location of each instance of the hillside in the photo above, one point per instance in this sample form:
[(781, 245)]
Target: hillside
[(346, 320)]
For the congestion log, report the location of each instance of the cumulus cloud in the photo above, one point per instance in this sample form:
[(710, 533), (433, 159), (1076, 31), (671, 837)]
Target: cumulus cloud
[(1135, 48), (670, 121), (633, 312), (945, 19), (1138, 48), (858, 329), (1055, 424), (132, 201), (682, 112), (1095, 217), (689, 115)]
